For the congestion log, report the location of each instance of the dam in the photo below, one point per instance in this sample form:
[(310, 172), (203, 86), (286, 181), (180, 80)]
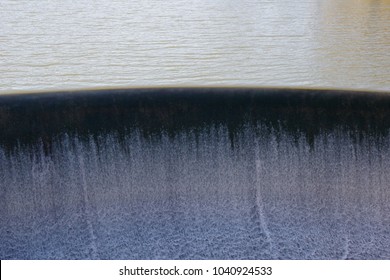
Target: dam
[(195, 173)]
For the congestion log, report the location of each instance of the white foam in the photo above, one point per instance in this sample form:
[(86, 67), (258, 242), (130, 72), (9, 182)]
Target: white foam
[(194, 196)]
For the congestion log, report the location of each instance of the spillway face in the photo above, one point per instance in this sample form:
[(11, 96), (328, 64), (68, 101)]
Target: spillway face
[(226, 187)]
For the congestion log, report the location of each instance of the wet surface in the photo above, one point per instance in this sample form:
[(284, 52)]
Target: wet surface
[(63, 44), (251, 178)]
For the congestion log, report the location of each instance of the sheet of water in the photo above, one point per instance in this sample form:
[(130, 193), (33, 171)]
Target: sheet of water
[(269, 196)]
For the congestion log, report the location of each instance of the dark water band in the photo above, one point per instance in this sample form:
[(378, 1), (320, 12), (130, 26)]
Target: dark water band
[(28, 118)]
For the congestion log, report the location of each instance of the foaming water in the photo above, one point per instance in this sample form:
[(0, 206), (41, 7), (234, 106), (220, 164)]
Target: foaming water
[(198, 195)]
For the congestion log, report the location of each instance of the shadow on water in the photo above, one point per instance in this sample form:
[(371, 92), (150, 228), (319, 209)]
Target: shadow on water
[(195, 173)]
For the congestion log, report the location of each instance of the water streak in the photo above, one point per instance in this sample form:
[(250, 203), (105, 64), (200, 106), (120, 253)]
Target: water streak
[(193, 196)]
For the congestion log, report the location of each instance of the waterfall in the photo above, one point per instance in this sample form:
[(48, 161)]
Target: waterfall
[(158, 188)]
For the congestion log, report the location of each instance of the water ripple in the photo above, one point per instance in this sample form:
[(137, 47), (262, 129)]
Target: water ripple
[(284, 42)]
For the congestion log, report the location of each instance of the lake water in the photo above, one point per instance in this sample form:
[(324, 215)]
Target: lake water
[(306, 43)]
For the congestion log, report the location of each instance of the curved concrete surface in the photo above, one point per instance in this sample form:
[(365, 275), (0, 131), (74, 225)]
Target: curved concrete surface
[(195, 173)]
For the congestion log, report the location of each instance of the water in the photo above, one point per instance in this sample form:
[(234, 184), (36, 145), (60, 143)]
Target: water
[(68, 44), (195, 174), (194, 197), (272, 192)]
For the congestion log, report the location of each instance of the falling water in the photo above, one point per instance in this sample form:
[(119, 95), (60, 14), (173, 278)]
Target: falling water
[(197, 194), (193, 197)]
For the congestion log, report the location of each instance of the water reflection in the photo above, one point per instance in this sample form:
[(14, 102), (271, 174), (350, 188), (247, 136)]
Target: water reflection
[(361, 52), (63, 44)]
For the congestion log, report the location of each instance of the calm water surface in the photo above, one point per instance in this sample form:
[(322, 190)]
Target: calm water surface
[(79, 44)]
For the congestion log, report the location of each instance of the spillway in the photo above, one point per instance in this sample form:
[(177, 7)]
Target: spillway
[(195, 173)]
